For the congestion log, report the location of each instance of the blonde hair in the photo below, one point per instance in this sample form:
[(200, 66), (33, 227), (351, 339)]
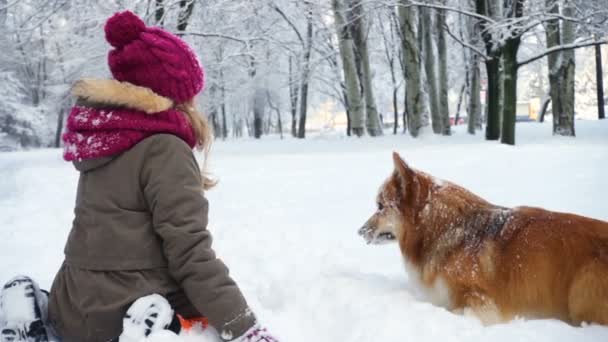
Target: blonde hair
[(203, 132)]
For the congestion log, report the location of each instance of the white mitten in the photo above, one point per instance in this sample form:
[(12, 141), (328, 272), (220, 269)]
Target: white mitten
[(23, 311), (146, 315)]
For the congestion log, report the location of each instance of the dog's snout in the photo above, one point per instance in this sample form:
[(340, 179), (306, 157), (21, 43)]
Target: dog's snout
[(367, 233), (365, 230)]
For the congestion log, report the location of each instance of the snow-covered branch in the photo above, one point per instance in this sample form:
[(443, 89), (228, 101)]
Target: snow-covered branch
[(467, 45), (222, 36), (289, 22), (561, 48), (450, 9)]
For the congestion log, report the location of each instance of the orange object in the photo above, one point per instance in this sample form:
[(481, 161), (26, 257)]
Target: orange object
[(188, 323)]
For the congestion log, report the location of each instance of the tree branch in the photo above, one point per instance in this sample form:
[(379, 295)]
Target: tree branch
[(451, 9), (289, 22), (561, 48), (7, 6), (222, 36), (467, 45)]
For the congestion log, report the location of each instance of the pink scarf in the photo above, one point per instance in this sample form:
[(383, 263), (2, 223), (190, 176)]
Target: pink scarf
[(95, 133)]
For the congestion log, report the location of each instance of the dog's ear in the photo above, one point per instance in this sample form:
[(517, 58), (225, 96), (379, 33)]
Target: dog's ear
[(401, 167)]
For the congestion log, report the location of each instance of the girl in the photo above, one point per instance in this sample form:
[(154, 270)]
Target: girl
[(138, 247)]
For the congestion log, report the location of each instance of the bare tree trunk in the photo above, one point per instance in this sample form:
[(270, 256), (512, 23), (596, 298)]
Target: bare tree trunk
[(256, 101), (444, 111), (213, 113), (279, 123), (3, 13), (429, 66), (510, 69), (566, 121), (494, 100), (293, 98), (355, 102), (341, 94), (395, 109), (258, 113), (59, 129), (390, 55), (543, 109), (459, 103), (411, 62), (248, 126), (277, 110), (159, 13), (474, 111), (552, 30), (223, 104), (599, 76), (405, 113), (64, 107), (510, 91), (183, 18), (306, 75), (465, 26), (372, 121), (561, 69), (494, 92)]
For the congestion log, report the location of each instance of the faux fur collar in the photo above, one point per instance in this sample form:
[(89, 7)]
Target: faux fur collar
[(120, 94)]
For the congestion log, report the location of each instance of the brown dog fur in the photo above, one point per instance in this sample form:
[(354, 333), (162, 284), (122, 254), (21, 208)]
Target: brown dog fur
[(499, 262)]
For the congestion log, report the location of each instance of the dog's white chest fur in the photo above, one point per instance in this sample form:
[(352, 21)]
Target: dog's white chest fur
[(437, 293)]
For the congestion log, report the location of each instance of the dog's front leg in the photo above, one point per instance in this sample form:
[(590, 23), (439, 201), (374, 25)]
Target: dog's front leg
[(483, 307)]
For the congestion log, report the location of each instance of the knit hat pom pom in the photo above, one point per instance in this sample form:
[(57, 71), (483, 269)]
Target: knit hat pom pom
[(123, 28)]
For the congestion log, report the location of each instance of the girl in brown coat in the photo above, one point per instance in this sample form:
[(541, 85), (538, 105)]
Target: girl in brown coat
[(139, 247)]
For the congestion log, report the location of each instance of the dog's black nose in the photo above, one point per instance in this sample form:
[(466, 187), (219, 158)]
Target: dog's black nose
[(367, 233), (365, 230)]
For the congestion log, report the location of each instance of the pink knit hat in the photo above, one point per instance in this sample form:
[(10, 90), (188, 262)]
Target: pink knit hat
[(153, 58)]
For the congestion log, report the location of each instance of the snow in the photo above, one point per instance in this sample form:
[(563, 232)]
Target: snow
[(285, 217)]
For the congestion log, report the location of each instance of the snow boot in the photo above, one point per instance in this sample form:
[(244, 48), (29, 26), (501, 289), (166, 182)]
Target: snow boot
[(147, 315), (23, 311)]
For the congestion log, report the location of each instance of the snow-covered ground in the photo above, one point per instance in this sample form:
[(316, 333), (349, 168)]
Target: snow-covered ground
[(285, 218)]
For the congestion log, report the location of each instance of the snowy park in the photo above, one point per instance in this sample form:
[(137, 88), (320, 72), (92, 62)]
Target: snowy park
[(117, 115), (285, 217)]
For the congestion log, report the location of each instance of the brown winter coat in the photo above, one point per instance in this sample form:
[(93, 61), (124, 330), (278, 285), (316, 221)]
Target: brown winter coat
[(140, 228)]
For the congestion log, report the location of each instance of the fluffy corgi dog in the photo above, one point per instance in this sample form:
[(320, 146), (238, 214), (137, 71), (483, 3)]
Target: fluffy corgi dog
[(498, 262)]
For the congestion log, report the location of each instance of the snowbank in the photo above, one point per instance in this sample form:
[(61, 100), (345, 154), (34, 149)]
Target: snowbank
[(286, 213)]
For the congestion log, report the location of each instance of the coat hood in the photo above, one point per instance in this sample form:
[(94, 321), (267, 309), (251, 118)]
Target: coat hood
[(111, 117), (102, 93), (112, 93)]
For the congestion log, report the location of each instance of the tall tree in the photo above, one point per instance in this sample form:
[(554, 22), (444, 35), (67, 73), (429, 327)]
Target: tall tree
[(552, 30), (599, 77), (514, 9), (442, 53), (306, 72), (430, 61), (294, 91), (561, 69), (345, 40), (392, 57), (491, 9), (566, 118), (470, 27), (474, 109), (358, 25), (411, 67)]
